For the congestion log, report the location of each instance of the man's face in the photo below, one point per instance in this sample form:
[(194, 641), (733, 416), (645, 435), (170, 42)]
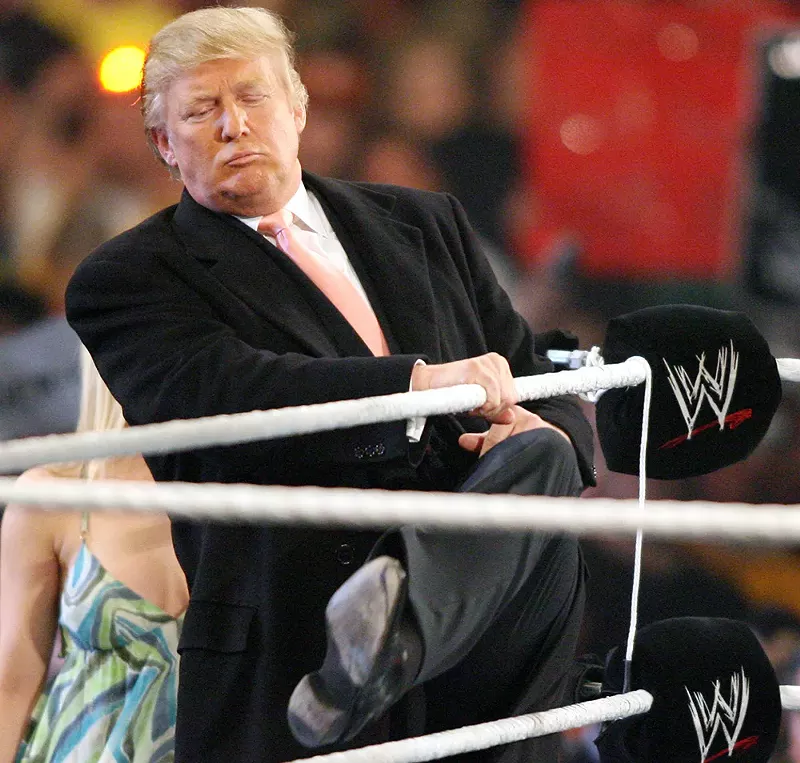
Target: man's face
[(232, 131)]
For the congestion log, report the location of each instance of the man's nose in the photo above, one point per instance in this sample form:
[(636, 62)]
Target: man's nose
[(234, 122)]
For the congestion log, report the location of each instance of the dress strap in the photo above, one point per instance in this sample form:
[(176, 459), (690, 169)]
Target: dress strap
[(84, 525)]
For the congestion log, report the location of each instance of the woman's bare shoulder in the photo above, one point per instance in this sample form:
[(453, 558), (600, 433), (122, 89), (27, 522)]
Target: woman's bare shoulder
[(22, 516), (38, 474)]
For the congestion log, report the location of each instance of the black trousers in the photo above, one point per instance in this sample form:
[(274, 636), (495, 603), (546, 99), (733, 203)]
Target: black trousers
[(499, 612)]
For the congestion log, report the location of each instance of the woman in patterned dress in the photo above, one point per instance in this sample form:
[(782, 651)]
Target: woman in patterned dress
[(109, 584)]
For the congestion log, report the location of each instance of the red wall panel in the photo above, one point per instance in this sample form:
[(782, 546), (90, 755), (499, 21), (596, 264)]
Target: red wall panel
[(640, 115)]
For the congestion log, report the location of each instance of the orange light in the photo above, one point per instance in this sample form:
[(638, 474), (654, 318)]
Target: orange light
[(121, 69)]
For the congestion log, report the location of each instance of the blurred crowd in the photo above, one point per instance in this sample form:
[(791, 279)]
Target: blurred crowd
[(428, 93)]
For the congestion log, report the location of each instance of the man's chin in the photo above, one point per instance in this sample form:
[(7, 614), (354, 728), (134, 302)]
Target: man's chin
[(245, 198)]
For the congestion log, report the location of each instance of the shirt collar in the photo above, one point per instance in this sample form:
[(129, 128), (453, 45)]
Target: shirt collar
[(303, 207)]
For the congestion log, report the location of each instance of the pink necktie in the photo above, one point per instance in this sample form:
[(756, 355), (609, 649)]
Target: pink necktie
[(334, 284)]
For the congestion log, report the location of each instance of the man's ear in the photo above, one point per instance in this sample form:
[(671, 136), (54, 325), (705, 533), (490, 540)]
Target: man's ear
[(300, 118), (161, 140)]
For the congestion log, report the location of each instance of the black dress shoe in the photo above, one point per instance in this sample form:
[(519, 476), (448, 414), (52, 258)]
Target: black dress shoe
[(372, 658)]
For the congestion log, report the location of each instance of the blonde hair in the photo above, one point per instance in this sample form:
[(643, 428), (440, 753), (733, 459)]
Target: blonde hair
[(99, 411), (209, 34)]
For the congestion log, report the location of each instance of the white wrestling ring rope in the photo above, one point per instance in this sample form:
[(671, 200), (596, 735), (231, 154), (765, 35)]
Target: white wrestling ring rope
[(776, 524), (485, 735), (229, 429), (789, 369), (381, 508)]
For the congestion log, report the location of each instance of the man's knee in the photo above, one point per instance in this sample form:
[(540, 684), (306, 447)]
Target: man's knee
[(552, 445), (547, 464), (536, 462)]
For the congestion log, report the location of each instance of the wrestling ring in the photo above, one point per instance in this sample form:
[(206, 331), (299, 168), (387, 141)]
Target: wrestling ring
[(377, 508)]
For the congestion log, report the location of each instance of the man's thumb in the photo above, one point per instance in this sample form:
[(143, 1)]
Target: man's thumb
[(472, 441)]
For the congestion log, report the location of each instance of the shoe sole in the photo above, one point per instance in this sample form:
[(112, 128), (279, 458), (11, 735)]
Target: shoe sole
[(358, 635)]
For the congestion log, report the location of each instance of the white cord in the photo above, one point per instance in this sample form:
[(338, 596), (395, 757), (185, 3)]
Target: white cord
[(593, 359), (637, 564)]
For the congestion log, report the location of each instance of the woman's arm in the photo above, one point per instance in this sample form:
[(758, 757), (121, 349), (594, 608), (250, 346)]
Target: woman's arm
[(29, 592)]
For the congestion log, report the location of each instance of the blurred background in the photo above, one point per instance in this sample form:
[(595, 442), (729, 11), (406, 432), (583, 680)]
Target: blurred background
[(612, 154)]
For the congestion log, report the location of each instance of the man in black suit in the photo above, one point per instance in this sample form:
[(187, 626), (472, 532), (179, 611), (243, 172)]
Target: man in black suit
[(196, 312)]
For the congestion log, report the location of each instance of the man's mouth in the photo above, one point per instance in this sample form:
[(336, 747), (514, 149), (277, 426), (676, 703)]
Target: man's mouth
[(242, 159)]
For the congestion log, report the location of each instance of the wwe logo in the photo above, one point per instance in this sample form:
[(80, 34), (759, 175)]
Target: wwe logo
[(727, 715), (717, 388)]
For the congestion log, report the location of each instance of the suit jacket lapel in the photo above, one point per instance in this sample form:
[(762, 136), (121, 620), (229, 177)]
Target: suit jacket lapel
[(389, 259), (265, 279)]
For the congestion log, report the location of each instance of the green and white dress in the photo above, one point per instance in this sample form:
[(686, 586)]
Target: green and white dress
[(114, 699)]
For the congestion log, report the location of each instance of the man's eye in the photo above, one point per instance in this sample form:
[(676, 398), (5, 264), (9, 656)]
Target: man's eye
[(198, 113)]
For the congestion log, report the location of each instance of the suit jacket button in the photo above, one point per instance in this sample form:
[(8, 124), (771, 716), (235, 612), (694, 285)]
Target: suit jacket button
[(345, 554), (369, 451)]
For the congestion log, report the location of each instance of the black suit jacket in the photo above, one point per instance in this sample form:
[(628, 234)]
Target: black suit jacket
[(192, 313)]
